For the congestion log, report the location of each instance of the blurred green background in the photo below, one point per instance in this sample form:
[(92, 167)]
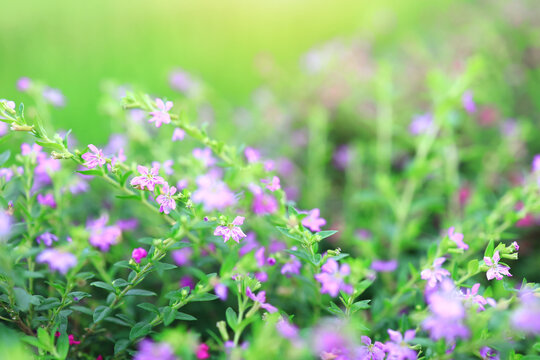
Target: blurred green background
[(75, 45)]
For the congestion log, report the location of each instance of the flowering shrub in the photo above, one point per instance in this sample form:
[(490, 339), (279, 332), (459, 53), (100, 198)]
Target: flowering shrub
[(169, 243)]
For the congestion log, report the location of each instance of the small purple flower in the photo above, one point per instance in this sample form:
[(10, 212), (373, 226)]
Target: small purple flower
[(473, 296), (273, 184), (127, 224), (263, 203), (94, 158), (252, 155), (232, 231), (331, 278), (54, 97), (526, 317), (23, 84), (138, 254), (57, 260), (149, 350), (5, 225), (47, 238), (4, 128), (435, 274), (261, 299), (313, 221), (205, 155), (342, 157), (101, 235), (286, 329), (221, 291), (165, 200), (187, 281), (213, 193), (421, 124), (488, 353), (291, 267), (457, 238), (384, 266), (496, 270), (161, 115), (369, 351), (515, 246), (180, 80), (46, 200), (182, 256), (178, 134), (536, 163), (397, 347), (468, 102), (148, 178), (249, 244)]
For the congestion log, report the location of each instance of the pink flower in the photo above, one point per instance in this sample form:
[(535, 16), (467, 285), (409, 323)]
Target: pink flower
[(331, 278), (178, 134), (261, 299), (54, 97), (161, 115), (148, 179), (496, 270), (202, 351), (252, 155), (93, 158), (138, 254), (273, 185), (457, 238), (101, 235), (166, 200), (468, 102), (205, 155), (24, 84), (57, 260), (313, 221), (435, 274), (46, 200), (231, 231)]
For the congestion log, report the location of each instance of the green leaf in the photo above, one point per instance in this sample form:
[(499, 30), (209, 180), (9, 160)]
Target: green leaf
[(164, 266), (120, 346), (334, 309), (360, 305), (286, 232), (140, 292), (23, 299), (489, 249), (326, 233), (301, 254), (82, 309), (205, 297), (231, 316), (103, 285), (185, 317), (472, 266), (149, 307), (4, 157), (62, 346), (229, 263), (168, 314), (91, 172), (33, 341), (120, 283), (139, 330), (101, 313), (44, 338), (79, 295)]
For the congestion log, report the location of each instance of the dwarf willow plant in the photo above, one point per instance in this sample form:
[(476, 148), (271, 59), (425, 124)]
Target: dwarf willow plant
[(167, 243)]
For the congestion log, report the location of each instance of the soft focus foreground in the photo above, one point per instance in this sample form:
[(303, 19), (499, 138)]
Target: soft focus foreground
[(380, 203)]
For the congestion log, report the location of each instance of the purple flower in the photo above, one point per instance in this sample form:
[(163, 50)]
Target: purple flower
[(148, 179), (165, 200), (397, 347), (93, 158), (57, 260), (181, 81), (420, 124), (182, 256), (161, 115), (178, 134), (249, 244), (488, 353), (232, 231), (369, 351), (54, 97), (101, 235), (291, 267), (127, 224), (457, 238), (536, 163), (286, 329), (331, 278), (313, 221), (149, 350), (4, 128), (138, 254), (205, 155), (468, 102), (23, 84), (526, 317), (212, 193), (435, 274), (273, 184), (5, 225), (472, 296), (47, 238), (221, 291), (384, 266), (181, 184), (187, 281), (515, 246), (46, 200), (26, 149), (252, 155), (447, 314), (261, 299), (263, 203), (496, 270), (342, 157)]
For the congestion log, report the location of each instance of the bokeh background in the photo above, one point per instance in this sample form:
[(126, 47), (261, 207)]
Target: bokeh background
[(74, 46)]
